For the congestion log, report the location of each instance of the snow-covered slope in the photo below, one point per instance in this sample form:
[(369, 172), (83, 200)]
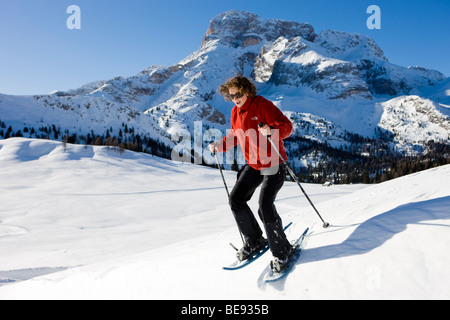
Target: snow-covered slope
[(90, 222)]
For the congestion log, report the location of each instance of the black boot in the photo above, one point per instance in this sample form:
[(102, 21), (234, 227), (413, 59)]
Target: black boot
[(279, 245)]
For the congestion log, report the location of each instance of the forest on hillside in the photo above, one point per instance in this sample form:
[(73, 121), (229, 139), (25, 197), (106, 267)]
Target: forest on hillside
[(360, 160)]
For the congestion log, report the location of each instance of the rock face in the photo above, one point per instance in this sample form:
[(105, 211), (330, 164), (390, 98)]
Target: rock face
[(297, 62), (242, 29)]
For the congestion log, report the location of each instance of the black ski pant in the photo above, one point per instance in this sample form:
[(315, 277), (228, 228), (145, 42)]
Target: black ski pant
[(248, 181)]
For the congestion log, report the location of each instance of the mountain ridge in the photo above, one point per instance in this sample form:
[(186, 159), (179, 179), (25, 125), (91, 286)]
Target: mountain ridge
[(339, 77)]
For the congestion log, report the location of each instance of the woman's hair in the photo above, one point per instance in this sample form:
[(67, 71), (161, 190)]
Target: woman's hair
[(243, 84)]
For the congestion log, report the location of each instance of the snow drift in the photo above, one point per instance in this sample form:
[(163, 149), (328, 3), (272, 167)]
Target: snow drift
[(93, 223)]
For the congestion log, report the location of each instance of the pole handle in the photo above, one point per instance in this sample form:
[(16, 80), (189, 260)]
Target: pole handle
[(260, 125)]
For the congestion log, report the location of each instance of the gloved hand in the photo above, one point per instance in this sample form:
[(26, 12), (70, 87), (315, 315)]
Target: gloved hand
[(265, 130), (213, 147)]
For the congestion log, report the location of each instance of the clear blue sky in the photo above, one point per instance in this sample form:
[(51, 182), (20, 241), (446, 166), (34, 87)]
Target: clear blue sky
[(39, 54)]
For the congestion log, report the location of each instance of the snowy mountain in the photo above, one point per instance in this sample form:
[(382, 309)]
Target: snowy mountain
[(412, 117), (340, 78), (88, 222)]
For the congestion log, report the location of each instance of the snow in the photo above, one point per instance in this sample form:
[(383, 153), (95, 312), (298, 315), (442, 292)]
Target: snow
[(90, 222)]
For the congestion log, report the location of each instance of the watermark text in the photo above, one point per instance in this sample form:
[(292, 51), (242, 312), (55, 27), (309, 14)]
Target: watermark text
[(374, 21), (74, 20)]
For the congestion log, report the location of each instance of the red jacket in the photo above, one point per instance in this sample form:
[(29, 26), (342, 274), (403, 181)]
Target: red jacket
[(244, 130)]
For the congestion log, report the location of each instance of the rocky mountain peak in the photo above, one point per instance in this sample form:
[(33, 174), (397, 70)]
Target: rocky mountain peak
[(239, 28)]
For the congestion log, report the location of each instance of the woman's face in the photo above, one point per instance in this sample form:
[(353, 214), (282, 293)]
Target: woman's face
[(238, 98)]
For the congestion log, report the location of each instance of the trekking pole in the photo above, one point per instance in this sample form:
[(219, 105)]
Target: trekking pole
[(226, 188), (325, 224)]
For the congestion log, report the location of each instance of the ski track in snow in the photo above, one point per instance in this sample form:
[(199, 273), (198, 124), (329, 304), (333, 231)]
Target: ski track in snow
[(87, 223)]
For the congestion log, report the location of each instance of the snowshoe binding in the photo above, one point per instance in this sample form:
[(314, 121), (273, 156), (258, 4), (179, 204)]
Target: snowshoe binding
[(280, 264), (249, 249)]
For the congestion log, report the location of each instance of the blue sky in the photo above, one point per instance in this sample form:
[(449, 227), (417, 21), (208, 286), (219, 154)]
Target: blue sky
[(39, 54)]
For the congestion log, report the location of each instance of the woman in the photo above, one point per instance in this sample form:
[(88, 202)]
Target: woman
[(253, 119)]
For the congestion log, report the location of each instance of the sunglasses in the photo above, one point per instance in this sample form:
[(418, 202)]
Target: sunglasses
[(235, 96)]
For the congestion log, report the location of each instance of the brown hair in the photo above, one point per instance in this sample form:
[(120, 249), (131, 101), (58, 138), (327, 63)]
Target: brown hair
[(243, 84)]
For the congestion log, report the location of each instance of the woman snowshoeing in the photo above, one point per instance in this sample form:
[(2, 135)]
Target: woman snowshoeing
[(253, 119)]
